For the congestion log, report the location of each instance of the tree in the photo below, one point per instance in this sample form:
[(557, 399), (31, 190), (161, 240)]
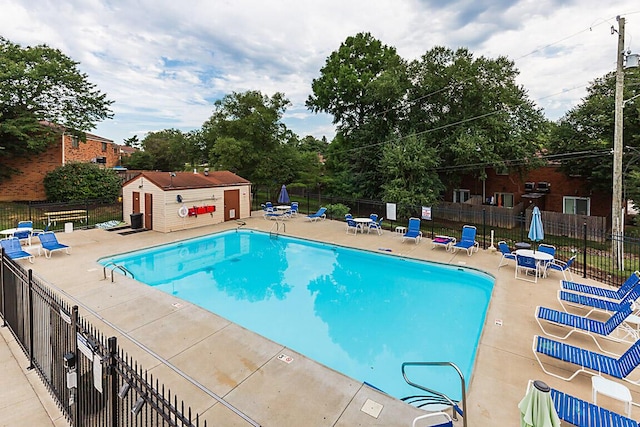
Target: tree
[(140, 160), (473, 113), (41, 84), (586, 131), (468, 110), (362, 85), (168, 148), (410, 174), (81, 181), (245, 135), (132, 142)]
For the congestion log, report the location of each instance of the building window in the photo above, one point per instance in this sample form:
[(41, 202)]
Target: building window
[(503, 199), (104, 146), (461, 196), (75, 143), (576, 205)]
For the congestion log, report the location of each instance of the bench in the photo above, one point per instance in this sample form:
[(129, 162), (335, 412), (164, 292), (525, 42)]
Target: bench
[(74, 215)]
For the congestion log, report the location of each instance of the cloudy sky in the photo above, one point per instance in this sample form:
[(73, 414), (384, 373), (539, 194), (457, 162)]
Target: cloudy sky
[(165, 63)]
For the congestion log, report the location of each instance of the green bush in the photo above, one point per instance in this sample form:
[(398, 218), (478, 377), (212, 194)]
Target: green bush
[(81, 181), (337, 210)]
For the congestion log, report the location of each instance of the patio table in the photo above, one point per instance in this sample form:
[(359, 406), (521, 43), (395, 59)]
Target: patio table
[(11, 231), (363, 221)]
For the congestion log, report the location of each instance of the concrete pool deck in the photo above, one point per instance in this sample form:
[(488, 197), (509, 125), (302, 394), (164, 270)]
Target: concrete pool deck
[(196, 353)]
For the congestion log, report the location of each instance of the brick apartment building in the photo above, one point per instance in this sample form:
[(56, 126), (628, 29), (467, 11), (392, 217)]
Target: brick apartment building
[(28, 184), (546, 187)]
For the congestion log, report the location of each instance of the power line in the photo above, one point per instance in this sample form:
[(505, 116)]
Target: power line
[(408, 103), (576, 155), (400, 138)]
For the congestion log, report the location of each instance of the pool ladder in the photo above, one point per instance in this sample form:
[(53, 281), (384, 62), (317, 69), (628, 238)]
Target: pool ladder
[(115, 266), (434, 397), (274, 234)]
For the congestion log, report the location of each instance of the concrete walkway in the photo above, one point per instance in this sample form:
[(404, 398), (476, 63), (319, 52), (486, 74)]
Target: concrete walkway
[(198, 354), (24, 400)]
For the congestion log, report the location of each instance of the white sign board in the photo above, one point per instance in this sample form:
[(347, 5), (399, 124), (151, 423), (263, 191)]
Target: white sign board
[(426, 213), (391, 211)]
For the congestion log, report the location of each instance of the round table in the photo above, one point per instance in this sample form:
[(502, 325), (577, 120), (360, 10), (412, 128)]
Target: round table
[(363, 221), (11, 231), (539, 256)]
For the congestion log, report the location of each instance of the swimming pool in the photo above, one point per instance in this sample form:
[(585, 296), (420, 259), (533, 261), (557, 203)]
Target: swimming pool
[(358, 312)]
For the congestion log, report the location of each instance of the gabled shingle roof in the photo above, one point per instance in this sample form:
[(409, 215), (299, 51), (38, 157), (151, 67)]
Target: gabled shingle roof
[(186, 180)]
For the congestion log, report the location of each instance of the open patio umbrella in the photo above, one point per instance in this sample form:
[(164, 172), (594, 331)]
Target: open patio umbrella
[(536, 407), (536, 231), (283, 197)]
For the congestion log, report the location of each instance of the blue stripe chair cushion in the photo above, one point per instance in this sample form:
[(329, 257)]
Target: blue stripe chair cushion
[(619, 293), (582, 413), (585, 323), (601, 304), (578, 356)]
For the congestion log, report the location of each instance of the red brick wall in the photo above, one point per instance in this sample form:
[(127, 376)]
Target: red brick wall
[(28, 184), (561, 185)]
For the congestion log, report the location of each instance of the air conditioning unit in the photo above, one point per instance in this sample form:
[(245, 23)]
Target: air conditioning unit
[(543, 187), (529, 186)]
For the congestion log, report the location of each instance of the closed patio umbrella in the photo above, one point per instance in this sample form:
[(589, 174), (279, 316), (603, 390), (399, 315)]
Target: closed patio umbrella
[(283, 197), (536, 407), (536, 231)]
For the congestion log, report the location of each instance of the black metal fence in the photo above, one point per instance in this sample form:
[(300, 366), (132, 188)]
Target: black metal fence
[(586, 238), (54, 216), (93, 381)]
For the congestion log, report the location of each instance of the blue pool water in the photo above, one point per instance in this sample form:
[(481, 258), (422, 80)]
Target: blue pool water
[(358, 312)]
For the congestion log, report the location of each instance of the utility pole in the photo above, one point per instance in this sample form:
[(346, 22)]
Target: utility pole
[(617, 224)]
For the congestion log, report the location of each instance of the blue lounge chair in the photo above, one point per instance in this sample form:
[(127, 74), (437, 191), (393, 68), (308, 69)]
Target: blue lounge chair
[(50, 244), (294, 208), (588, 361), (585, 325), (467, 241), (321, 214), (596, 304), (581, 413), (617, 294), (13, 249), (506, 253), (413, 230)]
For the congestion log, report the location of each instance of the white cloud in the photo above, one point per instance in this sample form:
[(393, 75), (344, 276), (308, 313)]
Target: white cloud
[(165, 62)]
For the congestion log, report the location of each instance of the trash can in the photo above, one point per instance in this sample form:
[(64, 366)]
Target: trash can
[(136, 220)]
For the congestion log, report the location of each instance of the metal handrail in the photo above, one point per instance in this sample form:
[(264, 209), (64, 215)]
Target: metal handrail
[(436, 393), (114, 266), (277, 227)]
